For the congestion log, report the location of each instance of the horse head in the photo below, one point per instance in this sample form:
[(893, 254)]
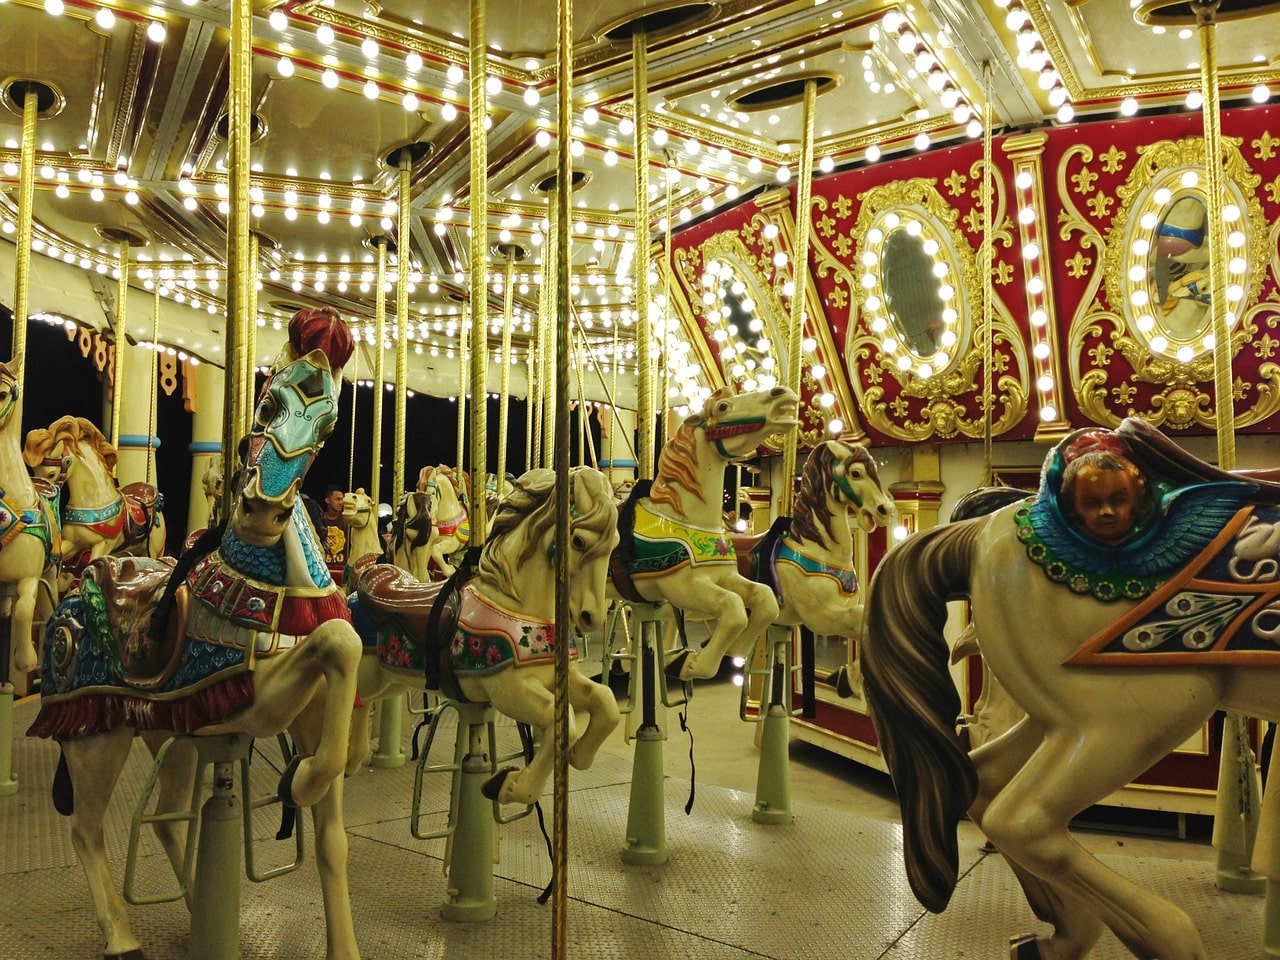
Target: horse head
[(296, 412), (357, 508), (851, 479), (10, 396), (519, 557), (737, 423), (47, 456)]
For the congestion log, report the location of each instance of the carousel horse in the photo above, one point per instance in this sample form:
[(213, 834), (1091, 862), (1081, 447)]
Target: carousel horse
[(26, 507), (410, 532), (808, 559), (98, 516), (1121, 606), (251, 636), (211, 484), (362, 524), (450, 531), (494, 639), (674, 546)]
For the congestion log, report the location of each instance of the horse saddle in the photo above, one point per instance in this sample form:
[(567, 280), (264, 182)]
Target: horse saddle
[(401, 605), (121, 594), (1164, 457), (624, 553), (755, 554), (142, 502)]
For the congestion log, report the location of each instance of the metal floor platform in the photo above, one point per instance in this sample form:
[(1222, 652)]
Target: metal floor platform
[(830, 884)]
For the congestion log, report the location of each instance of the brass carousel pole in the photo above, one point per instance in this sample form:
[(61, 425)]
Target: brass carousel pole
[(988, 293), (479, 271), (644, 333), (504, 382), (117, 369), (1235, 820), (550, 343), (151, 415), (534, 413), (250, 339), (379, 372), (564, 264), (351, 449), (22, 259), (461, 452), (391, 710), (800, 277)]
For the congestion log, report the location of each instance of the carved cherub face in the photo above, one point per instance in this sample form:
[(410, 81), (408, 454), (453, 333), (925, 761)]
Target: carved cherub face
[(1108, 502)]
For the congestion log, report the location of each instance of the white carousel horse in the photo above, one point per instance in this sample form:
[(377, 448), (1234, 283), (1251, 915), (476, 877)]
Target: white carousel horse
[(674, 545), (449, 521), (260, 641), (1118, 646), (362, 524), (1182, 249), (499, 647), (29, 538), (809, 564), (410, 533), (98, 517)]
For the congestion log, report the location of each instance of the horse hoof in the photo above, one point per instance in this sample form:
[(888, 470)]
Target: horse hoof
[(1024, 948), (675, 665), (492, 787), (840, 680), (285, 790), (128, 955)]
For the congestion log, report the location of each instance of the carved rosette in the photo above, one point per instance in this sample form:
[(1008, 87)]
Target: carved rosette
[(913, 395)]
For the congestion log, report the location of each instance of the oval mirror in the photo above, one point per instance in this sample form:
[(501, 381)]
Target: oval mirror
[(1159, 272), (736, 311), (909, 290)]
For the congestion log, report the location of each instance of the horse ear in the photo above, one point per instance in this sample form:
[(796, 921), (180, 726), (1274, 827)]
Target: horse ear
[(693, 419)]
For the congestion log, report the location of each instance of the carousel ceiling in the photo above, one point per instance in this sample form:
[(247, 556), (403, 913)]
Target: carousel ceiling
[(131, 142)]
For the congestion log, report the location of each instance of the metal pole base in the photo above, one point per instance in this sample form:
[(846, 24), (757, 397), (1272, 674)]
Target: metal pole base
[(1271, 921), (1234, 875), (773, 778), (646, 816), (215, 902), (470, 897), (8, 782), (390, 752)]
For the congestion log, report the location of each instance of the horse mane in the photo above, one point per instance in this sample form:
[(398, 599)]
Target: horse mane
[(76, 433), (424, 477), (403, 525), (531, 506), (38, 443), (811, 517), (677, 466)]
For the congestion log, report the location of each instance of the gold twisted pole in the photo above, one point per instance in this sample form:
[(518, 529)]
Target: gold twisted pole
[(403, 244), (351, 449), (479, 273), (549, 342), (988, 293), (117, 370), (251, 339), (800, 278), (155, 393), (22, 257), (504, 382), (533, 374), (460, 455), (239, 364), (564, 263), (379, 371), (644, 334)]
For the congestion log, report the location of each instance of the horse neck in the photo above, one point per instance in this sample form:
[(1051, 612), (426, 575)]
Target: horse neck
[(14, 478), (88, 483), (837, 550), (700, 509), (304, 565), (535, 597), (450, 503), (364, 539)]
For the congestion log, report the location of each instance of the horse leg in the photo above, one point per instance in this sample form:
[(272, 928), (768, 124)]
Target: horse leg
[(24, 610), (1027, 821), (95, 763), (534, 704), (1076, 927), (286, 685), (762, 610), (176, 777), (706, 599), (331, 844), (601, 708)]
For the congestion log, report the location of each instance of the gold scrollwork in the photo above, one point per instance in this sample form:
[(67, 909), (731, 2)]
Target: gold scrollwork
[(943, 371)]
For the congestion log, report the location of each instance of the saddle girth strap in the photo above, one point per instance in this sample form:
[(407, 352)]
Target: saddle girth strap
[(439, 674), (624, 553)]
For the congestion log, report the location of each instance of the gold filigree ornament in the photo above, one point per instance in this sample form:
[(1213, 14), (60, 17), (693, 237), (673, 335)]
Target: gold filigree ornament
[(1155, 265), (919, 318)]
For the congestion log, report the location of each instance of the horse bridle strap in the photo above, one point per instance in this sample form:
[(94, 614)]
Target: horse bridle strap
[(840, 477), (718, 431)]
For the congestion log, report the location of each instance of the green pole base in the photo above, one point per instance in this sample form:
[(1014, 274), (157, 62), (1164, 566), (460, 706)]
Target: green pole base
[(470, 894), (773, 778), (1271, 921), (215, 901), (646, 816), (8, 782), (390, 752), (1234, 875)]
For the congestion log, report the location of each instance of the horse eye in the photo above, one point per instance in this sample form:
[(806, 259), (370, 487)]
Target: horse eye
[(266, 411), (579, 543)]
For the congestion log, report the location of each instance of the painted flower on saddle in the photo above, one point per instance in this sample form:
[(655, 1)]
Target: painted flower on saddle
[(493, 656), (723, 547), (537, 638)]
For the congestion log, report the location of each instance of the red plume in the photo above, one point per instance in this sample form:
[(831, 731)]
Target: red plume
[(321, 329), (1098, 441)]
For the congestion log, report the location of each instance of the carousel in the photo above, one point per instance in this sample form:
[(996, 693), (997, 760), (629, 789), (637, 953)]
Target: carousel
[(411, 415)]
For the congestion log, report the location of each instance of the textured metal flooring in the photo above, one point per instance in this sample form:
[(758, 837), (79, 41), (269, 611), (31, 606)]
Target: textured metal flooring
[(828, 885)]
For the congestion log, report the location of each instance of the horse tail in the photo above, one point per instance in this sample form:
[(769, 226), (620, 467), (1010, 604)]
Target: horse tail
[(913, 700), (64, 796)]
